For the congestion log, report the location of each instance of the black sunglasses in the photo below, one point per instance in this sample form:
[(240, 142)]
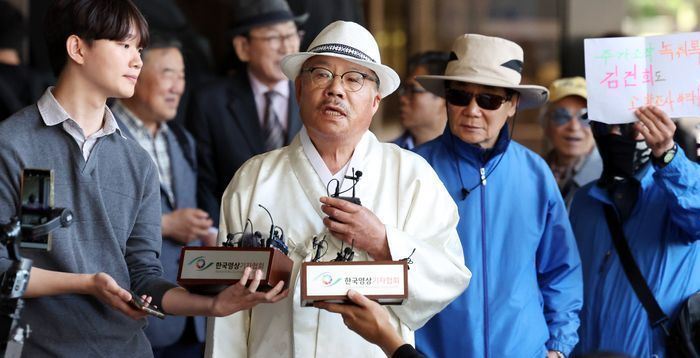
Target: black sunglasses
[(484, 100), (561, 116)]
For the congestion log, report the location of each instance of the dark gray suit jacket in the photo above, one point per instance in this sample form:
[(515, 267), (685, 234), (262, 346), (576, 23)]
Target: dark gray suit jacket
[(162, 333), (224, 122)]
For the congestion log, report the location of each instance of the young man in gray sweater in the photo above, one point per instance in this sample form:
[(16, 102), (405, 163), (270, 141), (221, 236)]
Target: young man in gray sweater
[(77, 299)]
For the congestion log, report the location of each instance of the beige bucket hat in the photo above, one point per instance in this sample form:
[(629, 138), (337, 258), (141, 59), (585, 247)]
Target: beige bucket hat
[(489, 61), (568, 86), (349, 41)]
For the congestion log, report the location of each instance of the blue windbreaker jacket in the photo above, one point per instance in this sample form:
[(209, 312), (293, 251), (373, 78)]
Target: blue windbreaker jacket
[(526, 290), (663, 233)]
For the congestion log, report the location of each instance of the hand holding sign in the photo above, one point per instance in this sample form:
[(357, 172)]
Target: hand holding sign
[(625, 73)]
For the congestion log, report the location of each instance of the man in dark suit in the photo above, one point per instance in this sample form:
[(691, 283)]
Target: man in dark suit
[(143, 118), (255, 110), (20, 85)]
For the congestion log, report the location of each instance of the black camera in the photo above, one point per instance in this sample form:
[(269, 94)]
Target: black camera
[(32, 229)]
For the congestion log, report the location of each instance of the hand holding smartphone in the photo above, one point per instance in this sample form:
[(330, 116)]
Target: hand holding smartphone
[(139, 303)]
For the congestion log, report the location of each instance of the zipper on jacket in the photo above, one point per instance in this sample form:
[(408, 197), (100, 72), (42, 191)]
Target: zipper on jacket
[(482, 172)]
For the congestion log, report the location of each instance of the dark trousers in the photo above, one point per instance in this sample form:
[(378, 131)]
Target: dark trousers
[(188, 346)]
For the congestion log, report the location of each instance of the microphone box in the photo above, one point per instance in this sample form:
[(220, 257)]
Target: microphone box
[(385, 282), (209, 270)]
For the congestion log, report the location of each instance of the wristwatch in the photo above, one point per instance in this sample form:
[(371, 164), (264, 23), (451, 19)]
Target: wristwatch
[(559, 354), (666, 157)]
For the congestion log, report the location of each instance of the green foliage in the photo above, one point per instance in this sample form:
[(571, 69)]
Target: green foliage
[(651, 8)]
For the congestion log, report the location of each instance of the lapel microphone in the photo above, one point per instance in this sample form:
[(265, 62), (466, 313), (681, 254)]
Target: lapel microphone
[(465, 193)]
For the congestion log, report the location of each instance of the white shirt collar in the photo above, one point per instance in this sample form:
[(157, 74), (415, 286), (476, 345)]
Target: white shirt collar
[(53, 113), (355, 163), (259, 89)]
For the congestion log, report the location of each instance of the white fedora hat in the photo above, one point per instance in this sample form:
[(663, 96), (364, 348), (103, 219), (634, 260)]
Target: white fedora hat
[(489, 61), (349, 41)]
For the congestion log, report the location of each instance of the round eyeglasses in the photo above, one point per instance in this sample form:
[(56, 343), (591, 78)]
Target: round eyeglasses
[(484, 100), (352, 80), (561, 116)]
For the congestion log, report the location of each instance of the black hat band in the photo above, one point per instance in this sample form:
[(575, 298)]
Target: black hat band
[(341, 49)]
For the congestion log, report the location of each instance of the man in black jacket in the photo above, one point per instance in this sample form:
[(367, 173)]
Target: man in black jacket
[(255, 110)]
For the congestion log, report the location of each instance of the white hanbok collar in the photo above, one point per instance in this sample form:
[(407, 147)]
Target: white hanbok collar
[(354, 164)]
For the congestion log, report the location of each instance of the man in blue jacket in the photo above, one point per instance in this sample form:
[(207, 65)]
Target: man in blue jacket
[(526, 290), (655, 191)]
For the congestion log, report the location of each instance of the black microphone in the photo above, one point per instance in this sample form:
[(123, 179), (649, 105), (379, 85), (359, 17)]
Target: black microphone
[(259, 239), (356, 175), (272, 225), (319, 245), (230, 237), (348, 254), (355, 178)]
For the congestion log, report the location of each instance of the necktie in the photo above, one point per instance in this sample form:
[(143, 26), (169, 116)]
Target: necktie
[(274, 132)]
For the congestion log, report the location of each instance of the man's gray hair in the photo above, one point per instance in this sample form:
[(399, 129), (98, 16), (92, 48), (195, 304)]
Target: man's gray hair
[(159, 41)]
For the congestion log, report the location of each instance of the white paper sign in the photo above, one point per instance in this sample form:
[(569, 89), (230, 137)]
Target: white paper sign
[(625, 73)]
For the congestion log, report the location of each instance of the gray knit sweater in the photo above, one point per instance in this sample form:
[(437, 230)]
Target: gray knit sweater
[(115, 199)]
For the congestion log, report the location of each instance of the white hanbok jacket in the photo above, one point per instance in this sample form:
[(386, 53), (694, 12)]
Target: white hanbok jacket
[(400, 188)]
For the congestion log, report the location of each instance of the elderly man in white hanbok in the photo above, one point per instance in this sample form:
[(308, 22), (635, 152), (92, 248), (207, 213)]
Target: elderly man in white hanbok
[(405, 209)]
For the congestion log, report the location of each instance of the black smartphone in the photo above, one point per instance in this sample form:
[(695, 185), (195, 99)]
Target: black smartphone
[(139, 303)]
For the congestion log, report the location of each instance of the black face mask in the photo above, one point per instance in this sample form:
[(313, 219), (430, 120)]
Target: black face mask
[(622, 156)]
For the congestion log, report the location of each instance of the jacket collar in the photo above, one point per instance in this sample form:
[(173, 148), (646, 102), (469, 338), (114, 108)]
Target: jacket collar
[(242, 108), (644, 176), (474, 153)]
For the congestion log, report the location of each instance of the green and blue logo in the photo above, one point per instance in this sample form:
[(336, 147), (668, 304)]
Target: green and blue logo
[(200, 263), (327, 279)]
